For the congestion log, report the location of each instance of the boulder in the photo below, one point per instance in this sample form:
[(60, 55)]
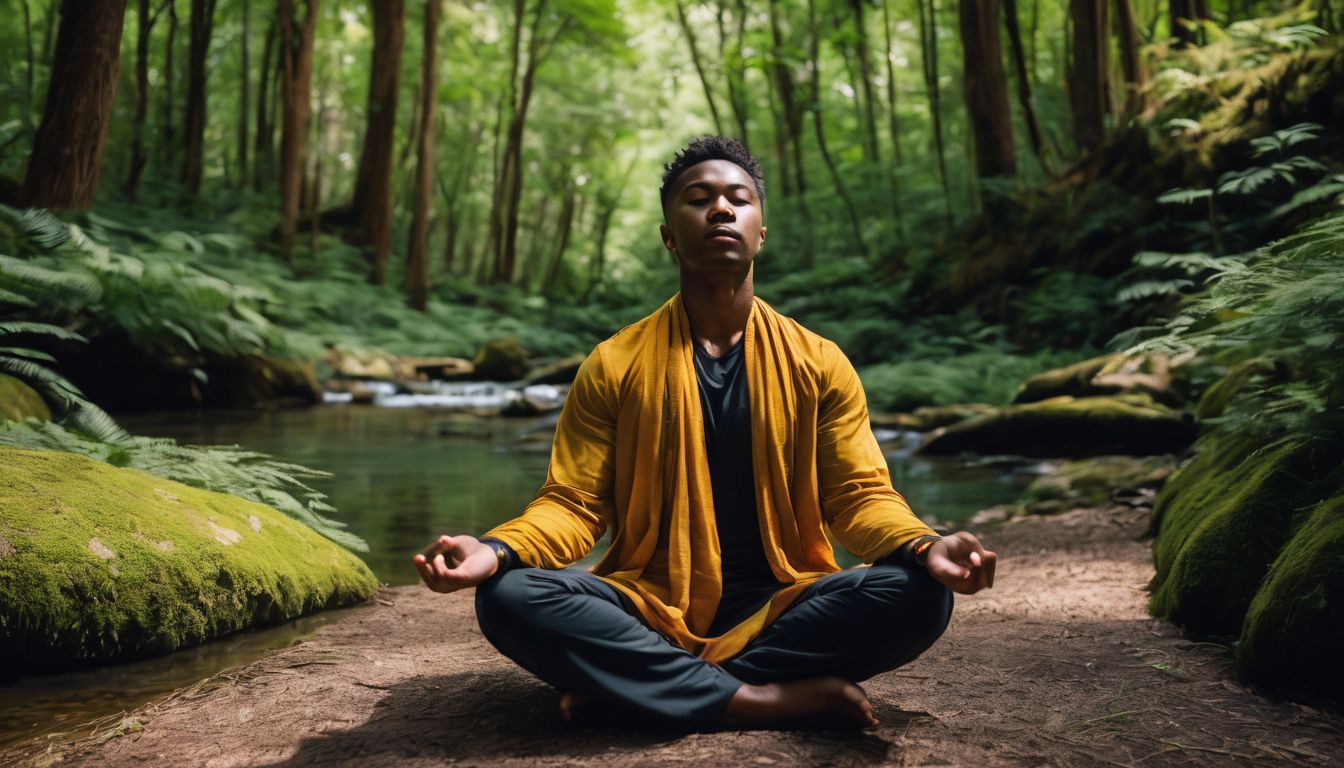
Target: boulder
[(254, 381), (1067, 426), (99, 563), (1294, 628), (1150, 374), (501, 360), (439, 368), (18, 401), (930, 417), (1096, 481), (561, 371)]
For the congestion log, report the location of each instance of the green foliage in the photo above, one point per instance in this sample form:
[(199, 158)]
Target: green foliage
[(975, 377)]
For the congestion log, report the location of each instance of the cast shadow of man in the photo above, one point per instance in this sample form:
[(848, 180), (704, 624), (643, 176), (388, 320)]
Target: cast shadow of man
[(480, 717)]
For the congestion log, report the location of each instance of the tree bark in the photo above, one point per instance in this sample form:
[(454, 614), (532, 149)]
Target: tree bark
[(1183, 19), (244, 95), (296, 64), (814, 46), (200, 27), (893, 123), (417, 249), (67, 157), (372, 199), (1023, 81), (866, 80), (167, 107), (1131, 63), (986, 92), (28, 73), (265, 138), (790, 110), (699, 65), (137, 168), (928, 45), (735, 69), (549, 286), (1089, 72)]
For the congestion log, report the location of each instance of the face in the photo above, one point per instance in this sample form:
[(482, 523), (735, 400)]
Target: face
[(714, 218)]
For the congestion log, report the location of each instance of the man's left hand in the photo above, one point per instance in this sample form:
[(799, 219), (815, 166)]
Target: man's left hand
[(961, 563)]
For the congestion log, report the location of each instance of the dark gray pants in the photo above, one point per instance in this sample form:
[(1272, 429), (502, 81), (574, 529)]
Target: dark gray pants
[(578, 633)]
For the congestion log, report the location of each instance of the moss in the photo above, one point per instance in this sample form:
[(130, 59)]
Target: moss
[(1066, 426), (501, 360), (1222, 520), (1295, 625), (18, 401), (1071, 380), (1219, 394), (103, 563), (1107, 375), (1092, 482)]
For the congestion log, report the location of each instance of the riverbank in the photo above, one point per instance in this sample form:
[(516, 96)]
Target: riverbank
[(1059, 664)]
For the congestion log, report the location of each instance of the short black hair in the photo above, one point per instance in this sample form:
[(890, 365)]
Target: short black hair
[(711, 148)]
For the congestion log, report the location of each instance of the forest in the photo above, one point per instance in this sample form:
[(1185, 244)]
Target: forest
[(314, 276)]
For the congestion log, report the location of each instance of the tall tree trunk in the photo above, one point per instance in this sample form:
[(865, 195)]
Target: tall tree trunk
[(871, 151), (372, 199), (168, 107), (200, 27), (417, 247), (1131, 63), (1023, 82), (986, 92), (928, 45), (296, 63), (244, 95), (1183, 22), (1089, 80), (28, 72), (265, 139), (549, 284), (67, 157), (137, 169), (699, 65), (893, 123), (1325, 16), (814, 64), (790, 110), (735, 68)]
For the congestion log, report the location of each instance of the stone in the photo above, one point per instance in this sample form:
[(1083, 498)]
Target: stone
[(501, 360), (18, 401), (561, 371), (1150, 374)]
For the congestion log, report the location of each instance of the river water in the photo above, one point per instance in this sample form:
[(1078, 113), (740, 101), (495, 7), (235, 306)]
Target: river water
[(400, 477)]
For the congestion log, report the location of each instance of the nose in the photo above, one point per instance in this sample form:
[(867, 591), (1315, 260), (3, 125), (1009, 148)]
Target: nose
[(721, 208)]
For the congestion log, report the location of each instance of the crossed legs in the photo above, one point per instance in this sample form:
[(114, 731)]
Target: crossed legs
[(576, 632)]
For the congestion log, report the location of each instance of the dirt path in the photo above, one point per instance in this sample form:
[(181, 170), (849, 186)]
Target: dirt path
[(1059, 664)]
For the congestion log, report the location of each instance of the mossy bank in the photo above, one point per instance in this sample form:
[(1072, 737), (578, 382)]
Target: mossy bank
[(99, 563)]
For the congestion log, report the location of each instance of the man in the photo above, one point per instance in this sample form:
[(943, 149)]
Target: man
[(718, 441)]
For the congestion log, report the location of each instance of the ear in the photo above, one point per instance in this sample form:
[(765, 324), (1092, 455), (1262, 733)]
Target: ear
[(762, 243), (666, 233)]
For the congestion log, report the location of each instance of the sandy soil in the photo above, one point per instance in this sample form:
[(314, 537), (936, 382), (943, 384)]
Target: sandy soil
[(1059, 664)]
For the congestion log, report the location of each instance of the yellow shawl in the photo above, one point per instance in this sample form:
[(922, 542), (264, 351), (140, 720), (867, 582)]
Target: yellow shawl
[(629, 455)]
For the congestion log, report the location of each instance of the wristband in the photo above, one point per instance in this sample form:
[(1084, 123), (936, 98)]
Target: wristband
[(920, 551)]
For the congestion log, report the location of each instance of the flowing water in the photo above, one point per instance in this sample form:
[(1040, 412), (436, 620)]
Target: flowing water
[(400, 477)]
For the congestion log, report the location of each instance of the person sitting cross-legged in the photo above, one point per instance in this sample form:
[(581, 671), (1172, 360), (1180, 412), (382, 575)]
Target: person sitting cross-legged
[(718, 441)]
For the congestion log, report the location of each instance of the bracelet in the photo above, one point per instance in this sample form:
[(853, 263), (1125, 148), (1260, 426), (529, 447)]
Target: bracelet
[(920, 552)]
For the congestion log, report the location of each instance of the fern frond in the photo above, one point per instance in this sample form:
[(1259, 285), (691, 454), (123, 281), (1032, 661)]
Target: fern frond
[(8, 327), (1182, 196)]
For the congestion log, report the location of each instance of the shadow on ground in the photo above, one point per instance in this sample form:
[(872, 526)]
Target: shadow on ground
[(490, 715)]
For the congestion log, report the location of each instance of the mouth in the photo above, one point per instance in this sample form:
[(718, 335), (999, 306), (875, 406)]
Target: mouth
[(723, 233)]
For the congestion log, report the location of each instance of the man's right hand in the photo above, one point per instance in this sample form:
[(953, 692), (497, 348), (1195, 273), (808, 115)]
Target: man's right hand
[(455, 562)]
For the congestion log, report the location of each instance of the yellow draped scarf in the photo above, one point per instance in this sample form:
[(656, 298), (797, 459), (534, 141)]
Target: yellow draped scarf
[(629, 455)]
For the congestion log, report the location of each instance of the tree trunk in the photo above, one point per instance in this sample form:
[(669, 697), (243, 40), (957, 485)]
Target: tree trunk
[(67, 157), (866, 80), (137, 168), (893, 123), (28, 73), (699, 65), (1023, 82), (1089, 81), (417, 248), (986, 91), (244, 95), (1183, 22), (200, 27), (790, 110), (1131, 63), (265, 138), (928, 46), (296, 64), (814, 61), (735, 69), (167, 107), (558, 254), (372, 199)]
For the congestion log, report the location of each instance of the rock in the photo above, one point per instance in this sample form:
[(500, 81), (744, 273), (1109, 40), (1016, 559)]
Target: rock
[(1067, 426), (103, 563), (378, 366), (501, 360), (440, 368), (996, 514), (536, 400), (561, 371), (1294, 628), (254, 381), (930, 417), (18, 401), (1149, 374), (1096, 481)]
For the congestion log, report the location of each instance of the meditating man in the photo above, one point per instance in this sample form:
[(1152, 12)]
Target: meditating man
[(717, 441)]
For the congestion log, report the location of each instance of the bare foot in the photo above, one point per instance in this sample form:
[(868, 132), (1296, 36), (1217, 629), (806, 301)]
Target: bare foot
[(817, 702), (575, 707)]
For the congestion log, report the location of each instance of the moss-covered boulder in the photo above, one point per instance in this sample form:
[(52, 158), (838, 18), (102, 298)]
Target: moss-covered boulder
[(1223, 519), (1294, 629), (18, 401), (1150, 374), (1095, 481), (930, 417), (100, 563), (501, 360), (254, 381), (1069, 427)]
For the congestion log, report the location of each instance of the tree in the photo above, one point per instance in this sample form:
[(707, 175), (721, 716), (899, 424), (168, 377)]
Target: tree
[(296, 64), (1023, 80), (145, 26), (244, 94), (200, 27), (870, 149), (928, 46), (372, 199), (1185, 18), (67, 158), (814, 65), (264, 141), (789, 117), (1089, 72), (986, 91), (699, 65), (1131, 64), (417, 248)]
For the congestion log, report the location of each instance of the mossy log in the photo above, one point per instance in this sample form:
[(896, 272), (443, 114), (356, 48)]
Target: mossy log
[(18, 401), (1294, 629), (99, 563), (1069, 427), (1107, 375)]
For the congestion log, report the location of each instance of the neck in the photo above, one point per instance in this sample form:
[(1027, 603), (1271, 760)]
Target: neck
[(717, 305)]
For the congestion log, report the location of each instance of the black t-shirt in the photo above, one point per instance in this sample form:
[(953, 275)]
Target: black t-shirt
[(747, 579)]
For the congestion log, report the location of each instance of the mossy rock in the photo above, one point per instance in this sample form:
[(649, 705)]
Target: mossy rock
[(1150, 374), (1219, 395), (1066, 426), (561, 371), (1093, 482), (1294, 629), (18, 401), (100, 563), (930, 417), (1223, 519), (501, 360), (254, 381)]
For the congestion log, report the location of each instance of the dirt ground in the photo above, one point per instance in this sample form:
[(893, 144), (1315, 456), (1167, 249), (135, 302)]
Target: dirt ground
[(1059, 664)]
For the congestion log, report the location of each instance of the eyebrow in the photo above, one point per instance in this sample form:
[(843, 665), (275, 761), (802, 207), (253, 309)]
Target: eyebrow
[(708, 186)]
